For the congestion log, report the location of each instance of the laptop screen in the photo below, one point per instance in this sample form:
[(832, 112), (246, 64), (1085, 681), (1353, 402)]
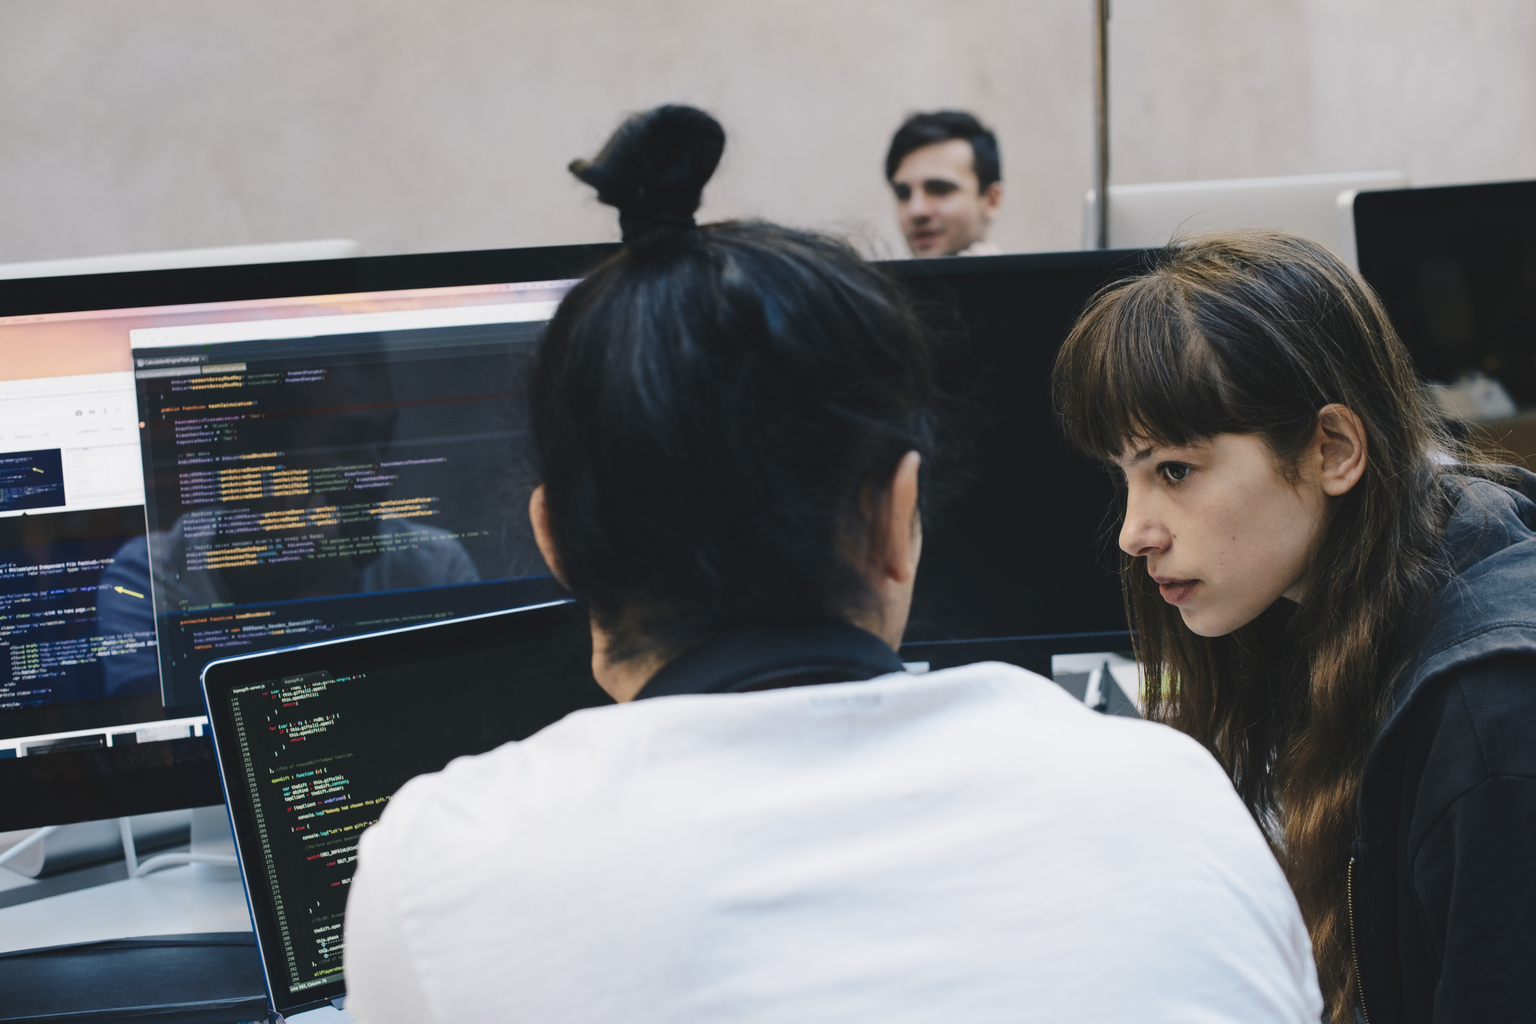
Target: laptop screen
[(314, 741)]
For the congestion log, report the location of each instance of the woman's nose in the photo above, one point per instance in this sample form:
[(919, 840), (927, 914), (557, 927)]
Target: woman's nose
[(1139, 534)]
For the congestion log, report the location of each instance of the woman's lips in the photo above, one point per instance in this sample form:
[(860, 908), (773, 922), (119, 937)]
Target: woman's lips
[(1175, 591)]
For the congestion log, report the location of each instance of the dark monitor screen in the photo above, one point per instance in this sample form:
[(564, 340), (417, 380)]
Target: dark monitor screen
[(1019, 561), (1456, 269)]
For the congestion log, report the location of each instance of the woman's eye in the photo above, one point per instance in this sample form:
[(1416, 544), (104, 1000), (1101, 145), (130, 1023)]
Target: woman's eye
[(1173, 472)]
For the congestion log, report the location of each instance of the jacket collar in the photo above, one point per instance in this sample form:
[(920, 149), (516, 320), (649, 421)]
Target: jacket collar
[(1488, 606), (771, 657)]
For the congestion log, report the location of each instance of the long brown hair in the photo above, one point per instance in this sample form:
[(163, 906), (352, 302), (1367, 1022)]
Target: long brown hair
[(1253, 333)]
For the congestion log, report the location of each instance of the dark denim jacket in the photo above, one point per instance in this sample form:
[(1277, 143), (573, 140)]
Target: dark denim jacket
[(1443, 874)]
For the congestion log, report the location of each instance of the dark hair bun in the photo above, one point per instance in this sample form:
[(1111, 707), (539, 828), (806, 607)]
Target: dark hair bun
[(654, 168)]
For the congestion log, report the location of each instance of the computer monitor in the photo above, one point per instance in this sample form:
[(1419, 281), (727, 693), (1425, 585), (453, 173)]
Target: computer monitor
[(361, 465), (1314, 205), (1456, 269), (333, 448), (1019, 560), (417, 462)]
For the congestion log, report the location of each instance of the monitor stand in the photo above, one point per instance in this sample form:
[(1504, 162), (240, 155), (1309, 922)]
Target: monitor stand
[(212, 845), (32, 847)]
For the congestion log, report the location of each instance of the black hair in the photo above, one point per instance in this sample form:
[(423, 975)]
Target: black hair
[(713, 408), (921, 130)]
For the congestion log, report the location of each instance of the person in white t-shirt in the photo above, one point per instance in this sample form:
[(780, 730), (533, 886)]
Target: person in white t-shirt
[(775, 822)]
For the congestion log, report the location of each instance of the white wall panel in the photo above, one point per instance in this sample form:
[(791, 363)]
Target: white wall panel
[(148, 124)]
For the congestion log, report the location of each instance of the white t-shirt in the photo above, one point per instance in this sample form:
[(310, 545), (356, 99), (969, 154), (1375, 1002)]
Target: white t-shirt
[(967, 845)]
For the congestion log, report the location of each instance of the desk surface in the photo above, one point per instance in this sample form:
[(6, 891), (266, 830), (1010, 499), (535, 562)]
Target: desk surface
[(176, 901)]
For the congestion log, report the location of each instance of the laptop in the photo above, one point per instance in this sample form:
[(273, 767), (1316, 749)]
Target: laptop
[(312, 741)]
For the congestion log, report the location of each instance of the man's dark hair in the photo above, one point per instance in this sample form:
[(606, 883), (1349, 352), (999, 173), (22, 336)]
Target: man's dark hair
[(921, 130), (717, 410)]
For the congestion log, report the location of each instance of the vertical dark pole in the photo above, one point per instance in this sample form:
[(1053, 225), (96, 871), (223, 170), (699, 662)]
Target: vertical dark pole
[(1101, 120)]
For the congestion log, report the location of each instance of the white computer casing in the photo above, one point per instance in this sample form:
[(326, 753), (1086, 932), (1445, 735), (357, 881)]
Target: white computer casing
[(1318, 206)]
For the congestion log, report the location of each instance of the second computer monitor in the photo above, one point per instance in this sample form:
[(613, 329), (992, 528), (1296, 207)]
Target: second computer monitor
[(1019, 558), (1456, 268), (318, 476)]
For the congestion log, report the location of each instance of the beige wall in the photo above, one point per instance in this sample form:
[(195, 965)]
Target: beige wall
[(410, 126), (1442, 89)]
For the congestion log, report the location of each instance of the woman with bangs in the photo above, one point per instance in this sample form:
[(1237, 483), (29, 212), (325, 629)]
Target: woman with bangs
[(1338, 600)]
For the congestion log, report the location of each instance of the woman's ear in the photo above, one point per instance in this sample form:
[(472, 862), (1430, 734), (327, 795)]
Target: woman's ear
[(1341, 442), (538, 514), (895, 546), (901, 543)]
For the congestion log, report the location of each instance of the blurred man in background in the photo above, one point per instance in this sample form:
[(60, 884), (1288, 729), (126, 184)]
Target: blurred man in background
[(945, 171)]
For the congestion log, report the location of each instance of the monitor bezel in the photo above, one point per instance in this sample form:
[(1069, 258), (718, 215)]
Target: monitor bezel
[(149, 288), (487, 631)]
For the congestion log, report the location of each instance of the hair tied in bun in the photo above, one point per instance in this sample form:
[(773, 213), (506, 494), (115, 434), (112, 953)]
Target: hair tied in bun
[(654, 168)]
